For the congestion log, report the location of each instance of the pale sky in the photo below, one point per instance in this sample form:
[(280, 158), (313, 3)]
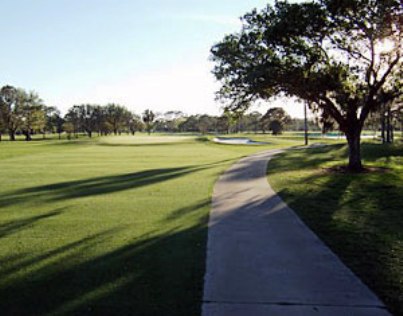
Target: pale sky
[(142, 54)]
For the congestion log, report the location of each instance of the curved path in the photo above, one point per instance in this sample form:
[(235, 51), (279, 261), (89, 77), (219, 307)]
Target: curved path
[(263, 260)]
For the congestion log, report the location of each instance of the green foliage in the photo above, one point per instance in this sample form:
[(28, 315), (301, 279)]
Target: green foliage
[(21, 111), (274, 120), (9, 112), (32, 113), (134, 123), (206, 123), (170, 122), (111, 118), (276, 127), (116, 116), (148, 119), (330, 53)]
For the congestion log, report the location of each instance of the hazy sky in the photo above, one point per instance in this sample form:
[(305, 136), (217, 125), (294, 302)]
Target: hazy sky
[(141, 54)]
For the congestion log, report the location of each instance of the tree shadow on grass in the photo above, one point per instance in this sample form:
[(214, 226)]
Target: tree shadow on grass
[(15, 226), (161, 274), (373, 152), (151, 144), (359, 216), (188, 210), (300, 159), (100, 185)]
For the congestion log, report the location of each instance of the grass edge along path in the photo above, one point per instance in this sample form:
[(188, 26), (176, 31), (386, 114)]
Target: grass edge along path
[(359, 216)]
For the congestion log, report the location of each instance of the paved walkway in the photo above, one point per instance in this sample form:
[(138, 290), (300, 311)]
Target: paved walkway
[(262, 260)]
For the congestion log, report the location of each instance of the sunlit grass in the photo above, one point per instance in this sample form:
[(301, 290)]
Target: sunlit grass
[(111, 226)]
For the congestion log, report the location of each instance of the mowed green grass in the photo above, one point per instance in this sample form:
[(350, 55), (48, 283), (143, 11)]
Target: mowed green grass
[(108, 226), (360, 216)]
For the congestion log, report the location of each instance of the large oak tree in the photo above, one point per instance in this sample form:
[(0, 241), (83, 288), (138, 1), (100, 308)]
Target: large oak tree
[(342, 56)]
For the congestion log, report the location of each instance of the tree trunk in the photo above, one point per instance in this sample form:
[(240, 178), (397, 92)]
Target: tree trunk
[(354, 149), (305, 126), (383, 125), (60, 136), (388, 125), (11, 133), (28, 136)]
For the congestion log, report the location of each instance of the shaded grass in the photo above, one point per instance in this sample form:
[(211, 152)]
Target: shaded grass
[(115, 229), (358, 215)]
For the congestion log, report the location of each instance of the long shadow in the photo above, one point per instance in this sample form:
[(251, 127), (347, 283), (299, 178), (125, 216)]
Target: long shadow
[(297, 159), (156, 144), (100, 185), (360, 218), (14, 264), (152, 275), (68, 143), (95, 186), (188, 210), (373, 152), (15, 226)]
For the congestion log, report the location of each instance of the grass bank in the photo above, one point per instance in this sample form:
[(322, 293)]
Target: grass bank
[(111, 226), (360, 216)]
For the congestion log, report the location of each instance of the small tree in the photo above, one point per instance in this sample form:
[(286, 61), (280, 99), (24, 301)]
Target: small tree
[(87, 116), (69, 128), (72, 121), (253, 120), (58, 123), (148, 119), (33, 118), (206, 123), (116, 116), (50, 113), (134, 123), (275, 119), (276, 127), (10, 110)]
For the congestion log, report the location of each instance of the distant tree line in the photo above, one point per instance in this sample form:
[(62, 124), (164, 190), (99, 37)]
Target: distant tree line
[(275, 121), (24, 113)]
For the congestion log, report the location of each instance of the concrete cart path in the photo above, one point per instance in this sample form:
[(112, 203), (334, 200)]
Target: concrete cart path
[(263, 260)]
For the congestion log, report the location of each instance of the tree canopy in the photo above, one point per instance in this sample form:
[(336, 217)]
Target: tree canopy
[(148, 119), (275, 119), (343, 57)]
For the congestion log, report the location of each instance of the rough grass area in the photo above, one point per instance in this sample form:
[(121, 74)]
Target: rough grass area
[(108, 226), (360, 216)]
